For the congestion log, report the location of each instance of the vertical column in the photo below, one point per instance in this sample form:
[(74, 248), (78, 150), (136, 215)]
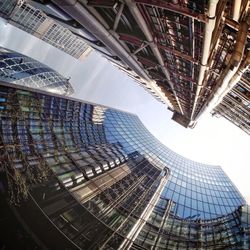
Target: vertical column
[(136, 229)]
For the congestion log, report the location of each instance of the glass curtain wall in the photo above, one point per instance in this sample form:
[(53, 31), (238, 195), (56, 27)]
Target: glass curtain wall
[(98, 179), (22, 70)]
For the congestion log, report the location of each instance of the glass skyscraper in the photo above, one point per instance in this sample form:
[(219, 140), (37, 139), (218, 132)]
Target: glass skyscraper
[(19, 69), (35, 22), (85, 176)]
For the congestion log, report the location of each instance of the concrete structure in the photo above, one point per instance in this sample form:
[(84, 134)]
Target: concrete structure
[(83, 176)]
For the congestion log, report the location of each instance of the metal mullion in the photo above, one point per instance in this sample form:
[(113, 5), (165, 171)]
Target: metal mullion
[(131, 212)]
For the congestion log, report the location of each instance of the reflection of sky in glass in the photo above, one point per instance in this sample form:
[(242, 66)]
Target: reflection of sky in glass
[(214, 141), (22, 70), (106, 167), (199, 190)]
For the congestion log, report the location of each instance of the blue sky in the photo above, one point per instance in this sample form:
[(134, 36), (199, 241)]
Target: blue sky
[(214, 141)]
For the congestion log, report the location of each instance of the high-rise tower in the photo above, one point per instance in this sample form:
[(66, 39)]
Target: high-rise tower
[(35, 22), (19, 69), (235, 105), (83, 176), (190, 54)]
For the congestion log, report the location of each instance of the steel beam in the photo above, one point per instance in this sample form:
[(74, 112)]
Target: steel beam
[(208, 32), (147, 62), (148, 34), (178, 53), (102, 3), (76, 10), (118, 16), (234, 25), (175, 8), (138, 42), (131, 39)]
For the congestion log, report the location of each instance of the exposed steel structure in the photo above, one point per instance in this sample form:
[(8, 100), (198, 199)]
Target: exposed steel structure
[(187, 53), (235, 106), (189, 49)]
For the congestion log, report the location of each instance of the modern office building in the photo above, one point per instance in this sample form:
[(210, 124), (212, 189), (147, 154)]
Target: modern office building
[(16, 68), (55, 27), (235, 106), (186, 52), (82, 176), (34, 21), (187, 55)]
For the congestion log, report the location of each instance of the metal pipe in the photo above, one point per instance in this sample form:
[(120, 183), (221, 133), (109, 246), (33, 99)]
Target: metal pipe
[(94, 12), (192, 41), (236, 10), (118, 17), (50, 9), (209, 28), (233, 75), (143, 45), (78, 12), (141, 22), (228, 85)]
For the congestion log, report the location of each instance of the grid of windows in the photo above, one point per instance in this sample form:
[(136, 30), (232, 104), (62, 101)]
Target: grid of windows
[(201, 191), (37, 23), (105, 182), (22, 70)]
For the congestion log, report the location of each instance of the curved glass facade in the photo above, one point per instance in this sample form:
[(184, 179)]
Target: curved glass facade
[(200, 190), (23, 70), (98, 179)]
